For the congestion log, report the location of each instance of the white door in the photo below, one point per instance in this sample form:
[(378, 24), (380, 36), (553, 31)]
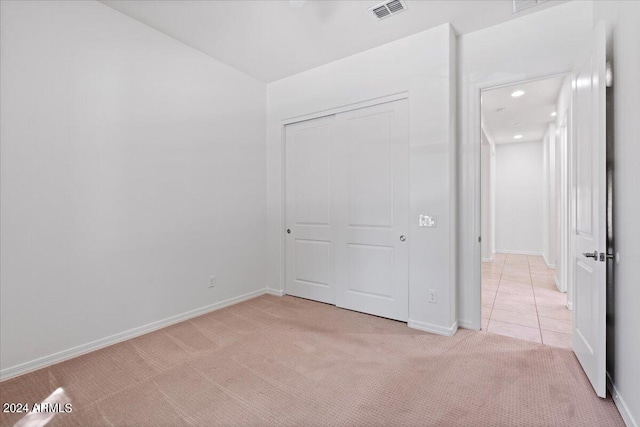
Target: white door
[(371, 180), (311, 227), (589, 190), (347, 207)]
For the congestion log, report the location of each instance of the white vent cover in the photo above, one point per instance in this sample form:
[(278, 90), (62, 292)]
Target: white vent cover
[(388, 8), (520, 5)]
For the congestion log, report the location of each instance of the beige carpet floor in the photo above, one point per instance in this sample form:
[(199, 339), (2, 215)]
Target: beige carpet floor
[(292, 362)]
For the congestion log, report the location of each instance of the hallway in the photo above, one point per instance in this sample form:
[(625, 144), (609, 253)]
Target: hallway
[(520, 300)]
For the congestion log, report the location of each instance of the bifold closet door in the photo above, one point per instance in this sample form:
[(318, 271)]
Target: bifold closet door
[(347, 209), (371, 187), (309, 149)]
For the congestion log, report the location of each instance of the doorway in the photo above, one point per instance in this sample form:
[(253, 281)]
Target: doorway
[(524, 202)]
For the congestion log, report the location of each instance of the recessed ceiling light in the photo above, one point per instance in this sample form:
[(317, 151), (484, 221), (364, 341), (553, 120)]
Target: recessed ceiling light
[(554, 114), (518, 136), (517, 93)]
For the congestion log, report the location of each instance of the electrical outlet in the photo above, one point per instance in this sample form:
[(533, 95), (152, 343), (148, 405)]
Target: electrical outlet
[(433, 296), (212, 281)]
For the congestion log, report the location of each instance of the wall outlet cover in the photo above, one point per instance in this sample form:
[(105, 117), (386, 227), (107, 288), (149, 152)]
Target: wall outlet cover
[(433, 296)]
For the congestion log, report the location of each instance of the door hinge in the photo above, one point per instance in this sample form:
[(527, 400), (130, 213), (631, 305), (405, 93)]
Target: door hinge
[(609, 74), (479, 239)]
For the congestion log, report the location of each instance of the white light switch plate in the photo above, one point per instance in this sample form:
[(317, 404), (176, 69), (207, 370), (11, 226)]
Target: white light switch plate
[(428, 221)]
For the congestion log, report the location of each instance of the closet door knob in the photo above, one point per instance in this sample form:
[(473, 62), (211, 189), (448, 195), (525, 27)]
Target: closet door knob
[(402, 238)]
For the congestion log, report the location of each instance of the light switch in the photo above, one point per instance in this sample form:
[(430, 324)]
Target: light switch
[(428, 221)]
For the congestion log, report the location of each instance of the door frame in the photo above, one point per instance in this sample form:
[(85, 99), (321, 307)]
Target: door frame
[(565, 238), (475, 133), (301, 118)]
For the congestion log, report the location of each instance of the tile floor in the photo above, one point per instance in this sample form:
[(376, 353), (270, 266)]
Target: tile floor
[(520, 300)]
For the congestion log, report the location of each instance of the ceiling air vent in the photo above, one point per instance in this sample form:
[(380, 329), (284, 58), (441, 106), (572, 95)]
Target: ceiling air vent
[(388, 8)]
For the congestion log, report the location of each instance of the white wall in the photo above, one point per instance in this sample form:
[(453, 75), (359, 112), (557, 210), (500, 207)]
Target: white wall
[(563, 125), (132, 169), (547, 43), (519, 197), (623, 335), (545, 183), (549, 197), (555, 228), (492, 197), (423, 66), (488, 197)]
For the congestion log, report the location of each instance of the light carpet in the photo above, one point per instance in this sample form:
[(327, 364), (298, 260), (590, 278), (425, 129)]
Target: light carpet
[(292, 362)]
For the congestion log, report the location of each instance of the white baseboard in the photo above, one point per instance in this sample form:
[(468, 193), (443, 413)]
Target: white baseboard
[(620, 403), (569, 305), (506, 251), (490, 259), (547, 263), (23, 368), (276, 292), (557, 282), (434, 329), (468, 324)]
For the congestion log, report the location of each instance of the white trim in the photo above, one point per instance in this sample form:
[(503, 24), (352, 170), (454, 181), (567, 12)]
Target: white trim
[(23, 368), (557, 282), (434, 329), (467, 324), (283, 209), (620, 403), (490, 259), (547, 263), (506, 251), (276, 292), (565, 223), (345, 108), (570, 305)]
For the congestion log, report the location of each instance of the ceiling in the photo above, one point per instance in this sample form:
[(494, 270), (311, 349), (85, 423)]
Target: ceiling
[(271, 39), (529, 115)]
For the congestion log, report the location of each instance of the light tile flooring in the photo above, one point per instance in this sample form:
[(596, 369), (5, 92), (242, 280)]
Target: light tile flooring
[(520, 300)]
